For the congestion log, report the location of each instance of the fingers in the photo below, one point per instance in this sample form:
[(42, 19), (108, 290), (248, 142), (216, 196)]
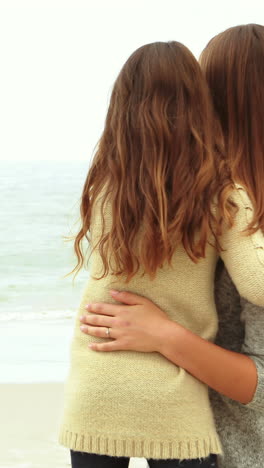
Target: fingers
[(104, 309), (99, 332), (97, 320), (108, 346), (127, 297)]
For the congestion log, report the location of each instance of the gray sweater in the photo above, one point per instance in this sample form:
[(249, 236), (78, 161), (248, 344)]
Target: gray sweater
[(241, 329)]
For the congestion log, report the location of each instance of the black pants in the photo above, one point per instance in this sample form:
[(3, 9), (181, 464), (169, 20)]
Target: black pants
[(89, 460)]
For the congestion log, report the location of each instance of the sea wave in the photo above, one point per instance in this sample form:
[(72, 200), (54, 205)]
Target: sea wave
[(23, 314)]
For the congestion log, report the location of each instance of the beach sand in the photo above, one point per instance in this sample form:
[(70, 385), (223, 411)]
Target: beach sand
[(30, 415)]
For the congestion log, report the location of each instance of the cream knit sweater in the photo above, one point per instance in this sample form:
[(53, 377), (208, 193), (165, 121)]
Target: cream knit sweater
[(140, 404)]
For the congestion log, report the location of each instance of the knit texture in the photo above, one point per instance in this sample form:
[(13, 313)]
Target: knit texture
[(241, 427), (140, 404)]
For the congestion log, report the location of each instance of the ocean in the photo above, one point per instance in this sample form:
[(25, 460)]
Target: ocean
[(39, 206)]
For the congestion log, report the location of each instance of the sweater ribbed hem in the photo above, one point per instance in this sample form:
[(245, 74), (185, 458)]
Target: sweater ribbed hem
[(141, 448)]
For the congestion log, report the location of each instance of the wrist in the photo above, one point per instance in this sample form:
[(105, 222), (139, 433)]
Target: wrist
[(171, 338)]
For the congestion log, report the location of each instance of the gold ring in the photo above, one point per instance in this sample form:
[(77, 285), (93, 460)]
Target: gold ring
[(107, 332)]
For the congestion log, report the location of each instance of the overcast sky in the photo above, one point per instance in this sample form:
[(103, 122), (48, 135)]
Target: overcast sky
[(59, 59)]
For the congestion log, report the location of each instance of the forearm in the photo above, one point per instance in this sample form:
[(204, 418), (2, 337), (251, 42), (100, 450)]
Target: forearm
[(227, 372)]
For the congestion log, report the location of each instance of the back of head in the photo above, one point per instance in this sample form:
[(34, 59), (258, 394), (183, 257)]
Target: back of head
[(233, 63), (156, 163)]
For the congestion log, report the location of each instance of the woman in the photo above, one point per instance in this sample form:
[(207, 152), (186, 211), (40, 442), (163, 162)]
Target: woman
[(233, 63), (157, 185)]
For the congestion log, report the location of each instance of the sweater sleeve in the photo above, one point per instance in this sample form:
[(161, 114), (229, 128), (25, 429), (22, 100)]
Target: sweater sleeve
[(243, 255), (241, 326), (253, 347)]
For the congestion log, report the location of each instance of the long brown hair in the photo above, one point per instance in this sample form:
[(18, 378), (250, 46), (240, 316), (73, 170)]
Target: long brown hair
[(156, 164), (233, 63)]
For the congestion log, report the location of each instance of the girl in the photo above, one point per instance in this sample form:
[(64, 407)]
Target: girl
[(155, 201), (233, 63)]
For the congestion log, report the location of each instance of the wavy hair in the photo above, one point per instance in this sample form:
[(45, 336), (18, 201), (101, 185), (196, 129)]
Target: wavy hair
[(159, 164), (233, 63)]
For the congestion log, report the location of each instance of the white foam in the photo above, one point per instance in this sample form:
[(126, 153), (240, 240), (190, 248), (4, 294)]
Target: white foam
[(34, 351)]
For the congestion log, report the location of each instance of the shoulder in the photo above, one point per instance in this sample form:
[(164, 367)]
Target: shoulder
[(245, 214), (241, 198)]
